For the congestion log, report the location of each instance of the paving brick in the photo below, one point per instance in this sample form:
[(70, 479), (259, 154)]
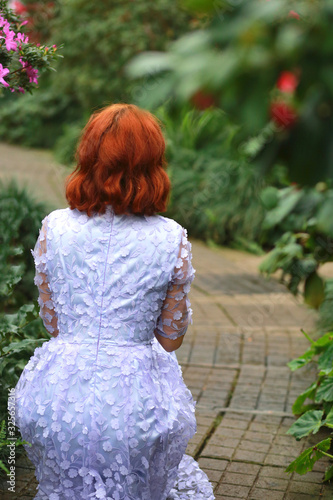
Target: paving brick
[(224, 441), (262, 494), (213, 475), (258, 436), (254, 446), (272, 483), (226, 432), (305, 488), (213, 464), (279, 460), (235, 491), (217, 451), (277, 472), (232, 424), (243, 468), (241, 479), (299, 496), (250, 456)]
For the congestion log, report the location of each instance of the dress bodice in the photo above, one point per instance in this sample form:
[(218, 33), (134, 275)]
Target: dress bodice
[(108, 274)]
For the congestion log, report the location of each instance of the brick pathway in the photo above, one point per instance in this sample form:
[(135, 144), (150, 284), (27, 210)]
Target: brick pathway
[(234, 357)]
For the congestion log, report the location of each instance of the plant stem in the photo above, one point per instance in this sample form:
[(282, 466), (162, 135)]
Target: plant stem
[(307, 336)]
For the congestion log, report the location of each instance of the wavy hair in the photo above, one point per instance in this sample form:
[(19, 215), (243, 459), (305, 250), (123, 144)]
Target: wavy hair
[(120, 162)]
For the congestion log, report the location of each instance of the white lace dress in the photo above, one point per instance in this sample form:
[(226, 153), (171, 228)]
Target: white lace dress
[(103, 405)]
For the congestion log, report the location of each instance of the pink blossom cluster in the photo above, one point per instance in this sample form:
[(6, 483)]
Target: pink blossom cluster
[(14, 43), (10, 37)]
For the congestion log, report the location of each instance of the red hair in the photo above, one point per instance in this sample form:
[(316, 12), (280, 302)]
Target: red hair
[(120, 161)]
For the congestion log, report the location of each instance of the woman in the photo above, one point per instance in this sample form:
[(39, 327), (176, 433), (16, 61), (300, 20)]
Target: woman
[(103, 402)]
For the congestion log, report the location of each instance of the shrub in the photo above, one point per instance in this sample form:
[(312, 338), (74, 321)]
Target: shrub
[(215, 191), (103, 37), (21, 329)]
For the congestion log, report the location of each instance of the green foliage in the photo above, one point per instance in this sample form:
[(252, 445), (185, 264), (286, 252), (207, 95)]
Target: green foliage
[(215, 193), (36, 122), (307, 423), (305, 462), (294, 225), (319, 413), (325, 321), (20, 219), (21, 329), (103, 38), (65, 146), (238, 59), (23, 60), (4, 442)]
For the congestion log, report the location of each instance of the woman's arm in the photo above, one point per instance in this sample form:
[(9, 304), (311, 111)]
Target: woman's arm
[(47, 312), (176, 312)]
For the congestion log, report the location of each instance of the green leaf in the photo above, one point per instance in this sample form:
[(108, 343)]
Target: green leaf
[(324, 217), (21, 345), (285, 206), (329, 419), (299, 402), (325, 390), (314, 290), (307, 423), (305, 462), (302, 360), (324, 340), (27, 313), (325, 360), (269, 197), (328, 473), (3, 467)]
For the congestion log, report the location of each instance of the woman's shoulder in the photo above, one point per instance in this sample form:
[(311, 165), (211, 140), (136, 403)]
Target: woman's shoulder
[(169, 224), (59, 213)]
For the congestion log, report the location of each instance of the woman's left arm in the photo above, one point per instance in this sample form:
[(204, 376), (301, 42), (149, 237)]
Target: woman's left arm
[(47, 311)]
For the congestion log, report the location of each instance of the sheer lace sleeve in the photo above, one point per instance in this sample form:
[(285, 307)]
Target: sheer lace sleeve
[(47, 312), (176, 312)]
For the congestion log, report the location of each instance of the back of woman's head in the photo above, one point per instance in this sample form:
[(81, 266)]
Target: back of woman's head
[(120, 162)]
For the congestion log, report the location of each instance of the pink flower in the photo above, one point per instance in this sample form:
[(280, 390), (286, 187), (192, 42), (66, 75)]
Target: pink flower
[(4, 23), (10, 43), (3, 72), (31, 72), (22, 38)]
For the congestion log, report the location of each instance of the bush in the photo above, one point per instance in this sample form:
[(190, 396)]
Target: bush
[(298, 225), (21, 329), (215, 191), (20, 220), (319, 413), (98, 38)]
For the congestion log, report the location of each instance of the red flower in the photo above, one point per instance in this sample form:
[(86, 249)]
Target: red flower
[(202, 101), (294, 14), (287, 82), (283, 114), (19, 8)]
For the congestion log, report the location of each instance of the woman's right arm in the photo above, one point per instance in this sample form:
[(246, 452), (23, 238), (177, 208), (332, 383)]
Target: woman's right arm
[(176, 312), (47, 312)]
